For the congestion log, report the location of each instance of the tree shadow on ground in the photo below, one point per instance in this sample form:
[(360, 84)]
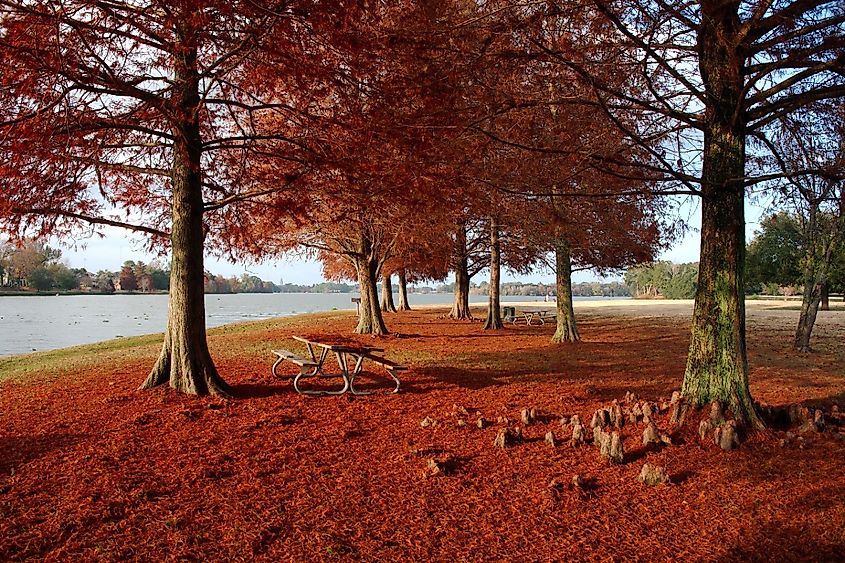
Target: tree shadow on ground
[(598, 366), (261, 390), (19, 450), (763, 544)]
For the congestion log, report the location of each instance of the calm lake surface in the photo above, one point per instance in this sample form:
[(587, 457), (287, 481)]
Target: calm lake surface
[(46, 323)]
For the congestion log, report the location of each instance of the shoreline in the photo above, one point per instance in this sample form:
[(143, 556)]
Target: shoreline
[(611, 307)]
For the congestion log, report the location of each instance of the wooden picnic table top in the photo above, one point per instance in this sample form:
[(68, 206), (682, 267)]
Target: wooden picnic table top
[(343, 347)]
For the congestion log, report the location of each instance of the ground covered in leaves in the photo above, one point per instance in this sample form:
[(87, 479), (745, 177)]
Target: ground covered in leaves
[(90, 469)]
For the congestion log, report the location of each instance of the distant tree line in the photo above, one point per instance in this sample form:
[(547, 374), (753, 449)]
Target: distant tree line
[(582, 289), (663, 279), (324, 287), (35, 266)]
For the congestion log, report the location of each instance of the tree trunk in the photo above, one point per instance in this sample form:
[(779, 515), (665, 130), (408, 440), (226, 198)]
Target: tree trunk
[(809, 310), (185, 361), (370, 320), (494, 313), (460, 308), (403, 291), (717, 365), (825, 298), (567, 330), (387, 304)]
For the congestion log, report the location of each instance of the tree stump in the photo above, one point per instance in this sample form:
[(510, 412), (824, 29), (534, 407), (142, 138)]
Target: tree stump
[(818, 420), (599, 437), (653, 475), (428, 422), (726, 436), (481, 423), (705, 428), (578, 435), (651, 435), (507, 437), (550, 439), (610, 445), (616, 452), (527, 416), (617, 420), (679, 412), (637, 411), (647, 411), (442, 465), (717, 414)]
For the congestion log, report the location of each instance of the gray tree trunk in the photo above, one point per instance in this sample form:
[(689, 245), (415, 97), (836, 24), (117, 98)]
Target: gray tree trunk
[(567, 329), (185, 361), (809, 309), (403, 291), (825, 303), (460, 307), (494, 312), (387, 304), (370, 320)]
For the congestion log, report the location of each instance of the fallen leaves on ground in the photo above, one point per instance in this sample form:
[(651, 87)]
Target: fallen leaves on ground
[(92, 469)]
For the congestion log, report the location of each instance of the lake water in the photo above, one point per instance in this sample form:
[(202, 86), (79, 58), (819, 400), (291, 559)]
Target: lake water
[(46, 323)]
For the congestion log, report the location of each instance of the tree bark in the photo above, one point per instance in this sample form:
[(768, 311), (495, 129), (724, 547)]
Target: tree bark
[(494, 313), (387, 304), (717, 365), (370, 320), (460, 307), (809, 309), (403, 291), (825, 298), (185, 362), (567, 329)]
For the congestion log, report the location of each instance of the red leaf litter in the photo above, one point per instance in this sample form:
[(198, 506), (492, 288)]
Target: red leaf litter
[(91, 469)]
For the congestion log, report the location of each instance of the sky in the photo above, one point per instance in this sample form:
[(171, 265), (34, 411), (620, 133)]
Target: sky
[(117, 246)]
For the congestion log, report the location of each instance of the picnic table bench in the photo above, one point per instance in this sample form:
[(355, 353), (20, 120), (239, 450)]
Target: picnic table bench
[(286, 355), (350, 360)]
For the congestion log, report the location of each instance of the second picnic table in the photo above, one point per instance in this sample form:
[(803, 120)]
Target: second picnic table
[(529, 315), (350, 360)]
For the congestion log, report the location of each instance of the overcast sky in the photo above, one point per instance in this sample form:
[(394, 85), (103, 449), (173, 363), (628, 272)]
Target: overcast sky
[(111, 252)]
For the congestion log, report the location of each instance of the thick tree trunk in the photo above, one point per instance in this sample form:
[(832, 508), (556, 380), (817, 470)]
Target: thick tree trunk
[(460, 308), (387, 304), (370, 320), (494, 313), (185, 362), (403, 291), (717, 365), (567, 329)]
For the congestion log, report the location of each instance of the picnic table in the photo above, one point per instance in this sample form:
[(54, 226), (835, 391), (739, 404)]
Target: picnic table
[(350, 361), (528, 316)]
